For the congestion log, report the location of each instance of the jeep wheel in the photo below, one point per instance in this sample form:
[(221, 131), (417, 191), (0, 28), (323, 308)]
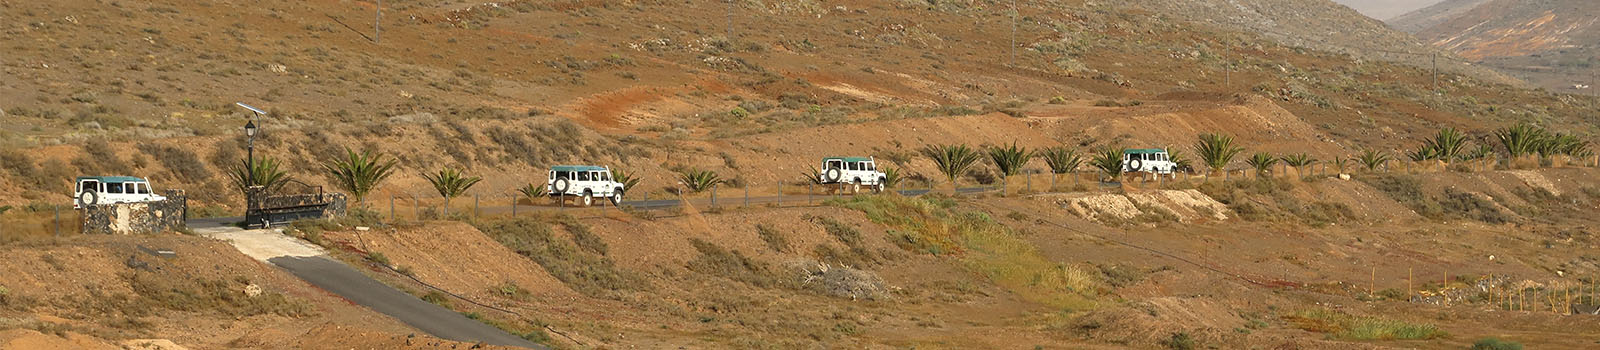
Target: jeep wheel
[(855, 187), (833, 175), (616, 198), (588, 198), (562, 185), (880, 187), (88, 198)]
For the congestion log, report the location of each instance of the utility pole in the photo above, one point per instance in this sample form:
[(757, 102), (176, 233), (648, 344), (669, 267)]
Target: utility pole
[(1227, 65), (1013, 33), (378, 32), (1436, 71)]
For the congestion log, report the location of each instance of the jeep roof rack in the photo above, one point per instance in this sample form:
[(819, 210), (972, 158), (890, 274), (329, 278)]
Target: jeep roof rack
[(111, 179), (848, 159), (1143, 151), (577, 168)]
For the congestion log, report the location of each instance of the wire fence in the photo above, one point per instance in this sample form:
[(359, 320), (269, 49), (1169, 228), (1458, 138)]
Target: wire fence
[(52, 220)]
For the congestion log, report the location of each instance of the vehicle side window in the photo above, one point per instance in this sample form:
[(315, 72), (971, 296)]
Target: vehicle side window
[(872, 166), (583, 176), (834, 164), (605, 176), (144, 188), (93, 186), (563, 175), (113, 188)]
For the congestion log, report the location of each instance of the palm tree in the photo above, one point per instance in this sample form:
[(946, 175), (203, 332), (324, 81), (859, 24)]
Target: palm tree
[(264, 172), (699, 180), (1373, 160), (1299, 160), (450, 183), (891, 177), (627, 180), (1180, 160), (1521, 139), (1010, 160), (1216, 150), (531, 191), (1109, 161), (359, 173), (952, 160), (1262, 162), (1062, 160), (1447, 145)]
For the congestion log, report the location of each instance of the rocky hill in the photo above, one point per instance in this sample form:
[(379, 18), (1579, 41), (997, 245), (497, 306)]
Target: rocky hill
[(507, 88), (1551, 43)]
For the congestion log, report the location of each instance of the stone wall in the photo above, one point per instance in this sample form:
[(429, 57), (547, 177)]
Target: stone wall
[(138, 218)]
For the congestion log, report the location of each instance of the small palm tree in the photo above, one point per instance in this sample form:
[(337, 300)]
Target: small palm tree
[(1180, 160), (1109, 161), (1341, 163), (1062, 160), (1216, 150), (1262, 162), (1424, 153), (1299, 160), (264, 172), (1010, 160), (699, 180), (1447, 145), (1521, 139), (1373, 160), (450, 183), (952, 160), (891, 177), (531, 192), (359, 173), (1563, 144), (813, 176), (627, 180), (1476, 153)]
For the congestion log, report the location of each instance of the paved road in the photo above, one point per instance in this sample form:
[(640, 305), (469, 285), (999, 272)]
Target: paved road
[(312, 264)]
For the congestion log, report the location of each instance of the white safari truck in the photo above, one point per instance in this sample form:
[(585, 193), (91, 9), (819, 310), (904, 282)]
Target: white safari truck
[(852, 173), (1151, 160), (584, 182), (96, 190)]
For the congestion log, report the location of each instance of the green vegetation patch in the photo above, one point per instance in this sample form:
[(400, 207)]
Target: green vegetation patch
[(581, 269), (1347, 326), (932, 225)]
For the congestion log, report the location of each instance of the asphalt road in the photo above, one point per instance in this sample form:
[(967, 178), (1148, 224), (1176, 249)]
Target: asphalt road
[(340, 279), (312, 264)]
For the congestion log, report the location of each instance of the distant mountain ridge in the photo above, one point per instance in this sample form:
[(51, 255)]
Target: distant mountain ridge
[(1551, 43)]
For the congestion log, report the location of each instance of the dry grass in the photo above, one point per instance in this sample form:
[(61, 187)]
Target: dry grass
[(588, 273), (1348, 326), (983, 246)]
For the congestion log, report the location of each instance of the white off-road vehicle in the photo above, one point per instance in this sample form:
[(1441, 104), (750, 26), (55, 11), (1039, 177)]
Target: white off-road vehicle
[(584, 182), (1152, 160), (97, 190), (852, 173)]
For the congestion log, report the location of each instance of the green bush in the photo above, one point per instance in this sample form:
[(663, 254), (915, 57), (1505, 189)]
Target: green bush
[(1262, 162), (1061, 160), (1495, 344)]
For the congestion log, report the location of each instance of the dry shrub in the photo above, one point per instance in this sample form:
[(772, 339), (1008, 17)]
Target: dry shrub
[(587, 273), (181, 163)]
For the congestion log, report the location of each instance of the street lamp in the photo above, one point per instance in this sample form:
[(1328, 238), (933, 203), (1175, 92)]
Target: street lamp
[(250, 162)]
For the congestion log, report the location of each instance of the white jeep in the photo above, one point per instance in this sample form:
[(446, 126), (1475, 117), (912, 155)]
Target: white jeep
[(97, 190), (1153, 160), (585, 182), (853, 172)]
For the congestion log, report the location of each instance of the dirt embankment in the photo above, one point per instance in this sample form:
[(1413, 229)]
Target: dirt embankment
[(204, 295)]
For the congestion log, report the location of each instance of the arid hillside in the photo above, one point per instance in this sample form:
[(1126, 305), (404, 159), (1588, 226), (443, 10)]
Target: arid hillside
[(506, 89), (1549, 43)]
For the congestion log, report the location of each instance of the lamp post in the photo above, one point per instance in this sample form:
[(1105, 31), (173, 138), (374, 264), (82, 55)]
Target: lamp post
[(250, 161)]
